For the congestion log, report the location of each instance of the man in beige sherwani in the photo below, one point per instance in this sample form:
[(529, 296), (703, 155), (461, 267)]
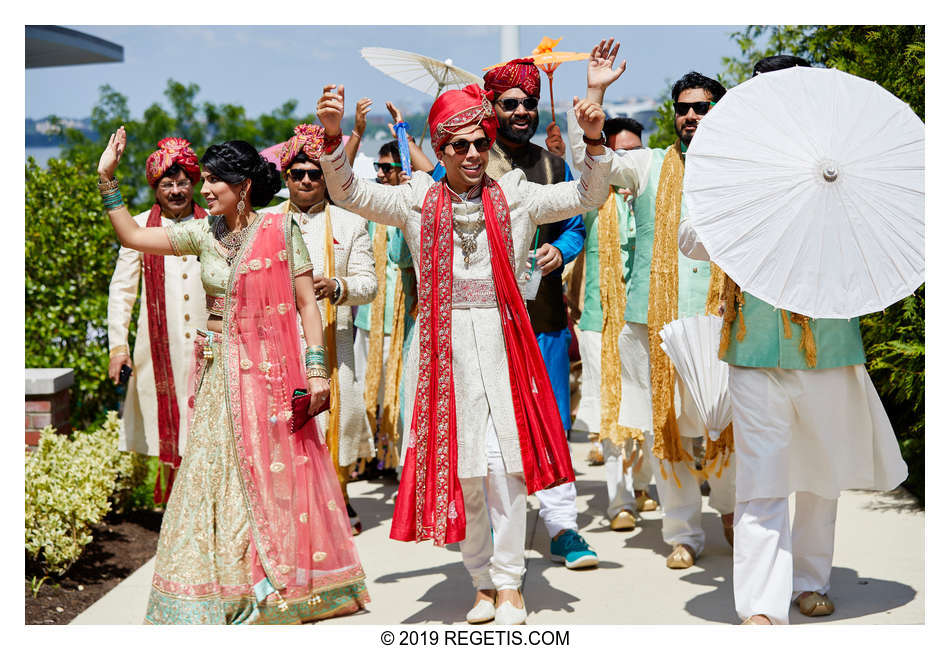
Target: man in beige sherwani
[(352, 281), (155, 415)]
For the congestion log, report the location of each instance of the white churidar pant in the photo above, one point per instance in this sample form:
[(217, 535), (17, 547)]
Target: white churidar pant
[(558, 507), (774, 562), (495, 522)]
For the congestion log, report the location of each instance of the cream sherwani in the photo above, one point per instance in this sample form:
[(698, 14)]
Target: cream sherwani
[(353, 265), (185, 310), (482, 387)]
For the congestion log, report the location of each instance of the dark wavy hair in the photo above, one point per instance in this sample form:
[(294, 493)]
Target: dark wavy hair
[(235, 161), (695, 80), (615, 125), (391, 148), (778, 62)]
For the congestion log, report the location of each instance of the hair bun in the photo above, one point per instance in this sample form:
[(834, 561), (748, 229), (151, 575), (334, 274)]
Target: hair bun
[(265, 182)]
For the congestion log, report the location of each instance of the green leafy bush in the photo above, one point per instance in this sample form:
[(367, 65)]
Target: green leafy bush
[(71, 483), (70, 255)]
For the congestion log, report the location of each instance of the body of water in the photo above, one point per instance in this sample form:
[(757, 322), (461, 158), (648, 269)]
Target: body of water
[(42, 154)]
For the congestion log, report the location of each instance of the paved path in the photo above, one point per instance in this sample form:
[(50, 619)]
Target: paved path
[(878, 574)]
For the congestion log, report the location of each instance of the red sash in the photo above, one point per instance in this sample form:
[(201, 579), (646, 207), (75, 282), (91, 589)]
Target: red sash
[(168, 416), (429, 504)]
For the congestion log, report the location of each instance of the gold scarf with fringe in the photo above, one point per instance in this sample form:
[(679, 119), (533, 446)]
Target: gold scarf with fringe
[(389, 426), (377, 323), (329, 342), (663, 308), (612, 301)]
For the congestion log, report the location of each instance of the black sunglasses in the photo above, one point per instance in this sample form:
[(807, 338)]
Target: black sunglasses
[(511, 103), (298, 174), (700, 108), (462, 146), (386, 167)]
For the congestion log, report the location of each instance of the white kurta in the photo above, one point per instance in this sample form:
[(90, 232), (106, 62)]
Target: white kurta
[(478, 349), (185, 311), (353, 260)]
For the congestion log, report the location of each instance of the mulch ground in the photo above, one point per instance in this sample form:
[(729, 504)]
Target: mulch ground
[(121, 544)]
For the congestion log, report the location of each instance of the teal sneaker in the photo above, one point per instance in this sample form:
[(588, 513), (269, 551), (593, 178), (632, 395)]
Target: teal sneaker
[(571, 549)]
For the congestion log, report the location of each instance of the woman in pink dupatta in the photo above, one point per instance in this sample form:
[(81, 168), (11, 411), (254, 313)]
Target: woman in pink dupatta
[(485, 427), (255, 530)]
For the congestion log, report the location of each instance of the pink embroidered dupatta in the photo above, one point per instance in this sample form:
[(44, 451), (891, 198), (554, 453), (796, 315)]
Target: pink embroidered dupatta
[(430, 504), (300, 532)]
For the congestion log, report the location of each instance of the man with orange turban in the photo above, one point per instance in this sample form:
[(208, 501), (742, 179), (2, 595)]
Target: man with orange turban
[(514, 89), (348, 279), (155, 416), (485, 428)]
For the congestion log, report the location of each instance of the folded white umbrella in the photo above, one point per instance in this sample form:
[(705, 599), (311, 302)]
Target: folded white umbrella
[(806, 186), (693, 346)]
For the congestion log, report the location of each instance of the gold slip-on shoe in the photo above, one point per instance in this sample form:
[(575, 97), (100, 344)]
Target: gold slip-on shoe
[(623, 521), (645, 503), (749, 620), (682, 557), (811, 603)]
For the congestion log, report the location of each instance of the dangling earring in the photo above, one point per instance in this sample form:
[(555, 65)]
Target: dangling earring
[(242, 206)]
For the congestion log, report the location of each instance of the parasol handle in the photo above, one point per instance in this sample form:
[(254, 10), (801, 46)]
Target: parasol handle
[(551, 88)]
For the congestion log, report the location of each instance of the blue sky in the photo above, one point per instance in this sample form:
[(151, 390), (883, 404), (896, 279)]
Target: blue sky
[(260, 67)]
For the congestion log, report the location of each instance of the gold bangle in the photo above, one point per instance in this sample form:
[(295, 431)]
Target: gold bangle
[(105, 187), (317, 372), (119, 351)]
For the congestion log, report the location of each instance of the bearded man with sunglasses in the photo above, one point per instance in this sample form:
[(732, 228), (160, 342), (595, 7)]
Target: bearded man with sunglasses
[(665, 285), (349, 280), (155, 415), (515, 88), (485, 426)]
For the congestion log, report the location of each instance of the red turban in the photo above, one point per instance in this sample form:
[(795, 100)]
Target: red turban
[(307, 138), (455, 110), (172, 151), (518, 73)]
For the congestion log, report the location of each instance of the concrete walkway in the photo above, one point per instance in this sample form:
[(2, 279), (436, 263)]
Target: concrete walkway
[(878, 574)]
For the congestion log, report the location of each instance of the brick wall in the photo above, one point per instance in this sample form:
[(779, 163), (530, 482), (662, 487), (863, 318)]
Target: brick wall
[(47, 401)]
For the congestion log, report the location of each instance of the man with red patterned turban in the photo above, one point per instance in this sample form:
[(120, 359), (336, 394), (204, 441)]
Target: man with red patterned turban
[(485, 429), (515, 88), (155, 416), (347, 279)]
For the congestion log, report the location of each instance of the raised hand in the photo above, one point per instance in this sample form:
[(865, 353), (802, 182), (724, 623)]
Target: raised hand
[(330, 109), (600, 67), (555, 142), (109, 159), (590, 117), (362, 108)]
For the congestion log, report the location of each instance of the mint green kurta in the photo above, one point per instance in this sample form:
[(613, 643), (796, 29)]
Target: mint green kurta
[(364, 315), (592, 318), (838, 341), (693, 274)]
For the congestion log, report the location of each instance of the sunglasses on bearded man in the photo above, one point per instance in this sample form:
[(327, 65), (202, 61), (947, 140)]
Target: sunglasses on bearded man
[(511, 103), (298, 174), (700, 108)]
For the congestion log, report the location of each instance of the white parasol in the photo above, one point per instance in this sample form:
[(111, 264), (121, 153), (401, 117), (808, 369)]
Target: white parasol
[(423, 73), (806, 186), (693, 346)]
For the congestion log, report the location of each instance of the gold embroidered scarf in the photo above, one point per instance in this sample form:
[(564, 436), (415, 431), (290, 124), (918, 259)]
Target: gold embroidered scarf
[(374, 357), (663, 308), (612, 301), (329, 342)]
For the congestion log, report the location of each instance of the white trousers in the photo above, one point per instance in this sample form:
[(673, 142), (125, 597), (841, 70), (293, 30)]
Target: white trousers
[(773, 562), (558, 507), (622, 484), (682, 505), (588, 410), (496, 512)]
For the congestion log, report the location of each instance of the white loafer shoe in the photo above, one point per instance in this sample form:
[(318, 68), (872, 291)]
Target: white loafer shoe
[(483, 612), (508, 614)]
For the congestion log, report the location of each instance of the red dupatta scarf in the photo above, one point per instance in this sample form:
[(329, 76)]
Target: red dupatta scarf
[(300, 531), (430, 504), (167, 400)]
